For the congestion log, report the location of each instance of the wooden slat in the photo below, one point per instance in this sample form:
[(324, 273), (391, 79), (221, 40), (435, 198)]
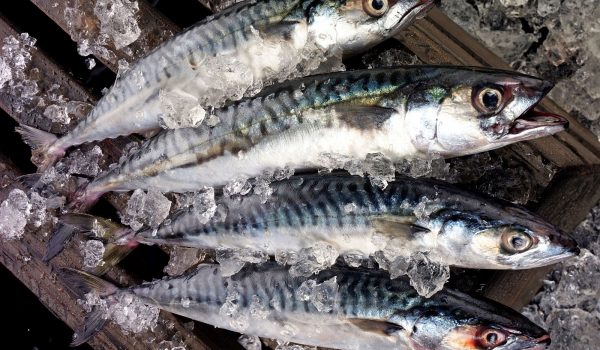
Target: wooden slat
[(155, 28), (50, 291), (566, 203)]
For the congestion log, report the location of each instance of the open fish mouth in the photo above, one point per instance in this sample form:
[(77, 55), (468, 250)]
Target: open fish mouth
[(531, 125), (416, 12), (535, 120)]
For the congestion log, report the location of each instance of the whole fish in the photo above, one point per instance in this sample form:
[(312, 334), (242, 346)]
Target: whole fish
[(410, 215), (229, 54), (338, 308), (408, 112)]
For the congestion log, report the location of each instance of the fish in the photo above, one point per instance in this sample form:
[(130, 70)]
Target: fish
[(228, 54), (401, 113), (409, 215), (345, 309)]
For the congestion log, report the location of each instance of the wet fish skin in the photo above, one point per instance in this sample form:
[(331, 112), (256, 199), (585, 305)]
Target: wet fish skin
[(366, 310), (306, 27), (405, 112), (352, 215)]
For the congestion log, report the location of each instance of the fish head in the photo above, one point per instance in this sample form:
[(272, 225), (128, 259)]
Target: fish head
[(356, 25), (501, 237), (453, 320), (471, 110)]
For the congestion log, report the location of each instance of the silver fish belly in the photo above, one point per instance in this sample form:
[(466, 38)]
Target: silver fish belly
[(390, 111)]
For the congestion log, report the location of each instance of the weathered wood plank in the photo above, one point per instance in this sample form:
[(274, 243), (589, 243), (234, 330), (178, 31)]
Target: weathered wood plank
[(155, 28), (566, 203), (38, 275)]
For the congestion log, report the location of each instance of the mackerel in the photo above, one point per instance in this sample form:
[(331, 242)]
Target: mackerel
[(338, 308), (406, 112), (228, 55), (452, 226)]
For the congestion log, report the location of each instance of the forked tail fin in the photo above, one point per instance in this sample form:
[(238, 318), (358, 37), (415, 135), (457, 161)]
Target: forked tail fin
[(43, 143), (82, 283), (120, 238)]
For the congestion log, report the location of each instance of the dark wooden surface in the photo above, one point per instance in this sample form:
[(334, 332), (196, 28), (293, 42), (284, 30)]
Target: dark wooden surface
[(435, 39)]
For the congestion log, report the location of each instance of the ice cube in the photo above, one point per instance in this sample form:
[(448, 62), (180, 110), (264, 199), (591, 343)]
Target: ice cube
[(309, 261), (14, 212), (57, 114), (146, 208), (258, 310), (324, 295), (90, 63), (87, 163), (92, 251), (132, 314), (179, 110), (182, 258), (250, 342), (426, 276), (233, 260), (240, 186), (38, 214), (118, 21)]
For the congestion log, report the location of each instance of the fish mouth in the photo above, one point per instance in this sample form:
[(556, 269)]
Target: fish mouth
[(541, 343), (535, 119), (534, 124), (418, 11)]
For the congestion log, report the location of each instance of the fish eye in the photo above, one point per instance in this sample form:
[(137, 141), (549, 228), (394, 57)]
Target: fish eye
[(376, 8), (491, 338), (516, 242), (489, 100)]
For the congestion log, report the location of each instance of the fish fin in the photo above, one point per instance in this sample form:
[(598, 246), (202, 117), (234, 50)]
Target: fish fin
[(94, 322), (58, 240), (376, 326), (121, 238), (363, 117), (93, 225), (42, 142), (29, 180), (82, 283), (283, 30), (113, 254), (397, 226)]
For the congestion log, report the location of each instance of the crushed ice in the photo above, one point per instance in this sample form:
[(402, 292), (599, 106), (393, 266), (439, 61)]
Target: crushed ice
[(146, 209), (14, 212), (250, 342), (131, 314), (92, 251), (233, 260)]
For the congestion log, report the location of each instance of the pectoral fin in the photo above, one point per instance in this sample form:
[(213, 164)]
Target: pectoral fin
[(398, 226), (376, 326), (285, 30), (363, 117)]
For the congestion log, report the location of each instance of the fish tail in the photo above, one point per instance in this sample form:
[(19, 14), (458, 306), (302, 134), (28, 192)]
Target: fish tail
[(58, 240), (82, 283), (83, 199), (121, 239), (44, 143)]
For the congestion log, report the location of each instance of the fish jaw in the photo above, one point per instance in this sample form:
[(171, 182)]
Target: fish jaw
[(532, 125)]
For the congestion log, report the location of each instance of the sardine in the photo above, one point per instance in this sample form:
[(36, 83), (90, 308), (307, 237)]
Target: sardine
[(262, 40), (409, 112), (410, 215), (344, 309)]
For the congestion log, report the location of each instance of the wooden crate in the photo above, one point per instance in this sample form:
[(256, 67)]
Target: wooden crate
[(436, 39)]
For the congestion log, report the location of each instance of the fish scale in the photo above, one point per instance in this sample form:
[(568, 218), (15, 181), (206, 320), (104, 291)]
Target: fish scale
[(363, 309), (189, 147), (206, 38), (354, 217)]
